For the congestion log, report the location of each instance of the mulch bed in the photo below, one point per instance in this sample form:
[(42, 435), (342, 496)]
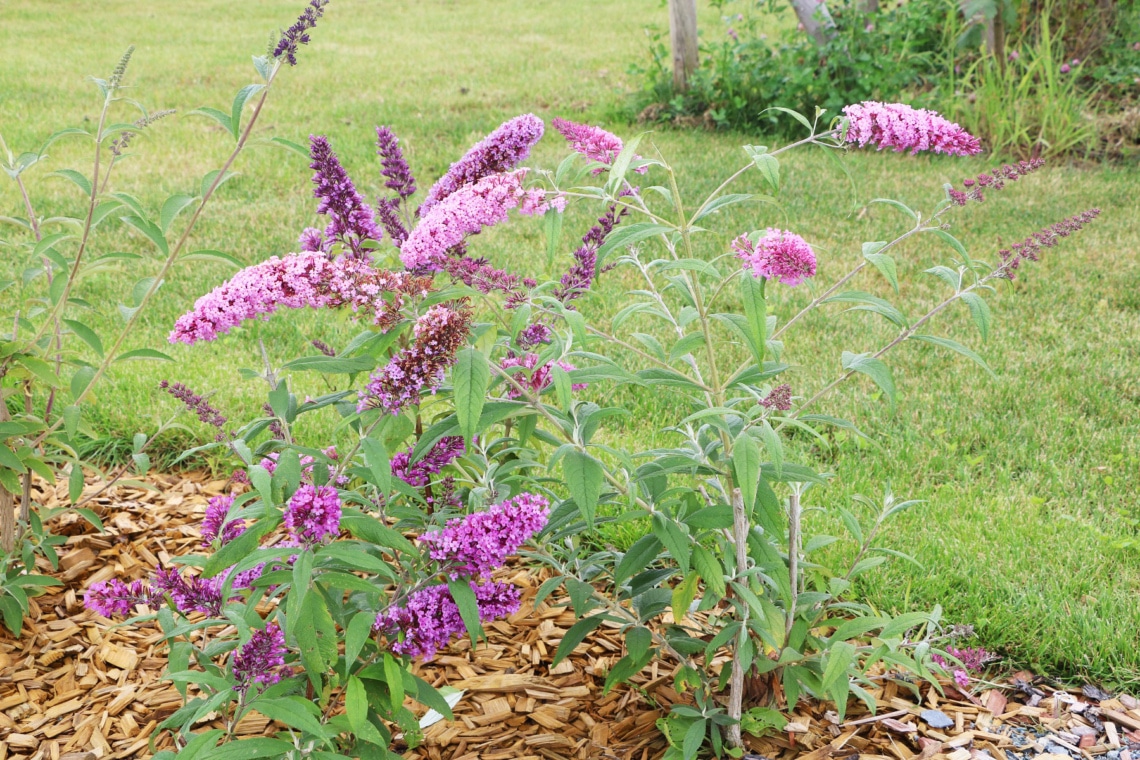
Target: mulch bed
[(75, 688)]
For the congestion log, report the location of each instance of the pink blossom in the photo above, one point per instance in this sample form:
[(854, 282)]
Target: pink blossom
[(464, 212), (313, 513), (538, 378), (901, 127), (780, 255), (430, 617), (1065, 68), (594, 143), (480, 542)]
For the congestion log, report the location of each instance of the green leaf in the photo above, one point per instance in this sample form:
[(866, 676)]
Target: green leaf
[(75, 483), (774, 446), (80, 380), (470, 379), (643, 551), (584, 477), (219, 116), (621, 164), (576, 635), (746, 467), (873, 368), (247, 749), (900, 206), (294, 712), (721, 202), (173, 206), (359, 631), (622, 236), (868, 302), (316, 637), (208, 255), (954, 345), (150, 230), (243, 96), (769, 167), (332, 365), (756, 315), (840, 656), (87, 335), (980, 311), (81, 181), (290, 145), (884, 262), (464, 599), (694, 738), (683, 595), (239, 548), (143, 353), (205, 741), (795, 114), (395, 675), (213, 176), (674, 539)]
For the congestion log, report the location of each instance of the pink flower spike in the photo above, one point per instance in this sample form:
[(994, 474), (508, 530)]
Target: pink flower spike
[(594, 143), (780, 255), (901, 127)]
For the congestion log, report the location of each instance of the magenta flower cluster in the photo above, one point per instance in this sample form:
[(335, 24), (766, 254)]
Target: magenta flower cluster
[(439, 334), (464, 211), (900, 127), (261, 660), (973, 662), (297, 280), (114, 598), (536, 378), (779, 255), (430, 617), (214, 525), (594, 143), (351, 219), (418, 474), (501, 151), (313, 514), (474, 545)]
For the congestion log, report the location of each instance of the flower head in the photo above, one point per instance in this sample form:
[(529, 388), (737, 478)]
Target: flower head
[(580, 277), (197, 404), (430, 617), (214, 524), (394, 167), (1030, 248), (480, 542), (501, 151), (418, 475), (193, 594), (536, 378), (779, 398), (351, 219), (439, 334), (901, 127), (313, 513), (113, 597), (261, 660), (993, 181), (463, 212), (298, 34), (779, 255), (594, 143)]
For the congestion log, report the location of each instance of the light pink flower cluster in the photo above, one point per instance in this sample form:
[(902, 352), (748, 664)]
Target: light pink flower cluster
[(901, 127), (535, 202), (536, 378), (294, 281), (594, 143), (501, 151), (478, 543), (464, 212), (430, 617), (780, 255), (439, 334)]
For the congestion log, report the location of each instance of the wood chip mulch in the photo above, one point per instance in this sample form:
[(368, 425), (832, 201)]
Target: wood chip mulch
[(75, 688)]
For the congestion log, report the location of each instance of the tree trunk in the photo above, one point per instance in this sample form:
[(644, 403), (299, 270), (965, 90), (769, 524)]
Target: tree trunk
[(816, 19), (995, 38), (7, 520), (683, 37)]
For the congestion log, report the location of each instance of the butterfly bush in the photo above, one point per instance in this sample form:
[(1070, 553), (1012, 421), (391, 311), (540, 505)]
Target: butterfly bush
[(471, 406)]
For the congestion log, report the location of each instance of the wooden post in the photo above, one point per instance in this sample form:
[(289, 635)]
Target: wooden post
[(816, 18), (683, 36), (995, 38)]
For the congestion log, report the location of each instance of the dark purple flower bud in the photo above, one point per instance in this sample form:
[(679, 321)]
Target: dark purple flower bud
[(580, 277), (214, 524), (323, 347), (115, 598), (440, 455), (779, 398), (395, 168), (197, 404), (352, 219), (536, 334), (298, 34), (387, 211), (1030, 248)]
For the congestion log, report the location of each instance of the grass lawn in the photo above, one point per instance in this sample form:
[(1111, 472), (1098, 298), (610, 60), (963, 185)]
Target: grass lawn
[(1028, 480)]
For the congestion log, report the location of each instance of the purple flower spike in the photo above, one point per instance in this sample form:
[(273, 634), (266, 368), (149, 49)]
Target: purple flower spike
[(462, 213), (439, 334), (313, 514), (581, 275), (901, 127), (352, 219), (114, 598), (1030, 248), (594, 143), (395, 168), (500, 151), (261, 660), (780, 255), (418, 475), (214, 524), (431, 617), (193, 595), (475, 545), (298, 34)]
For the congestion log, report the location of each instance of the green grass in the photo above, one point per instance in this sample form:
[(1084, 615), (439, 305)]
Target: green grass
[(1026, 479)]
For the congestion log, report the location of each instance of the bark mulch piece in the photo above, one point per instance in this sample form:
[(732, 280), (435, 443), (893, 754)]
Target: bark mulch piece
[(75, 688)]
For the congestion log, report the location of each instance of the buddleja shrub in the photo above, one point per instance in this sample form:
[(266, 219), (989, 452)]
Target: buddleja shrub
[(337, 568), (52, 360)]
